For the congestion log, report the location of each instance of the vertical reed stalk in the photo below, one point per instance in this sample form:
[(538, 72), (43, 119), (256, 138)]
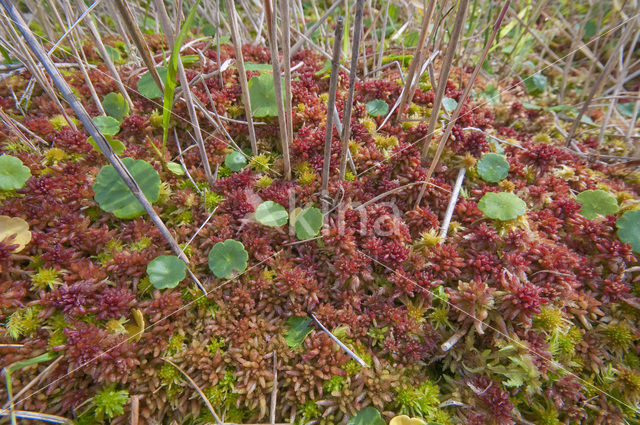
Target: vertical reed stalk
[(77, 51), (416, 61), (103, 53), (463, 98), (346, 119), (286, 59), (444, 74), (242, 75), (277, 85), (383, 36), (188, 97), (598, 84), (333, 86), (139, 41)]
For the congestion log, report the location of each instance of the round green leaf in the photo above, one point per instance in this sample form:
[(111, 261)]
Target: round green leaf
[(536, 83), (308, 223), (262, 94), (627, 109), (271, 214), (113, 195), (117, 146), (449, 104), (166, 271), (260, 67), (367, 416), (147, 86), (114, 54), (13, 173), (297, 330), (115, 106), (377, 107), (108, 126), (502, 206), (493, 167), (175, 168), (411, 39), (235, 161), (228, 258), (597, 202), (629, 229)]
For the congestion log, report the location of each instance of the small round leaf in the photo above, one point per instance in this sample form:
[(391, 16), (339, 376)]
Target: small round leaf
[(113, 195), (166, 271), (13, 173), (271, 214), (16, 227), (629, 229), (175, 168), (117, 146), (228, 258), (115, 106), (262, 95), (108, 126), (449, 104), (297, 330), (114, 54), (493, 167), (147, 85), (597, 202), (308, 223), (235, 161), (502, 206), (377, 107), (367, 416), (535, 84)]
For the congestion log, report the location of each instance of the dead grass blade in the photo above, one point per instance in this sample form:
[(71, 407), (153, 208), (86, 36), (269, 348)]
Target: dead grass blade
[(197, 388), (598, 84), (23, 414)]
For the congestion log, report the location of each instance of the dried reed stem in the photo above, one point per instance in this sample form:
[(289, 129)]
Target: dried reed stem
[(346, 118), (104, 54), (314, 27), (188, 97), (597, 85), (286, 60), (333, 87), (463, 98), (198, 390), (277, 86), (139, 41), (452, 203), (415, 62), (444, 75), (242, 75)]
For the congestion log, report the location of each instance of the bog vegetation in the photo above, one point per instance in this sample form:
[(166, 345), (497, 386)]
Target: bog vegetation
[(315, 212)]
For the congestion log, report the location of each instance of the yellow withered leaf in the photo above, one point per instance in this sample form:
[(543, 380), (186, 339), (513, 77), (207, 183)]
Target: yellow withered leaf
[(15, 226), (135, 331), (405, 420)]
